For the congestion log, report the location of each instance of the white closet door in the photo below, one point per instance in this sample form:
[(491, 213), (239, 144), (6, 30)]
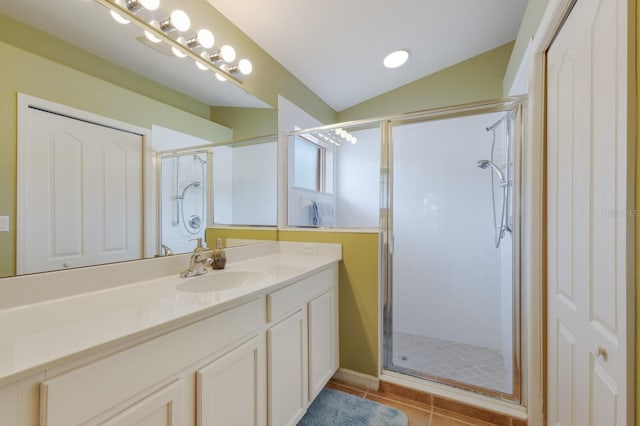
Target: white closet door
[(589, 273), (81, 194)]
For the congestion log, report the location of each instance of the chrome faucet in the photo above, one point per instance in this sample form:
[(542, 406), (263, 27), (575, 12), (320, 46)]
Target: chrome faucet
[(200, 261)]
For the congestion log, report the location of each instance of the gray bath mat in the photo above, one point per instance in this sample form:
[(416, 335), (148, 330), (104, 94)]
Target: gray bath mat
[(335, 408)]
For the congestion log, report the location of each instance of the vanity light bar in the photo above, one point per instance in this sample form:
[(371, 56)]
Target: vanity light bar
[(331, 134), (328, 139), (220, 61), (345, 135)]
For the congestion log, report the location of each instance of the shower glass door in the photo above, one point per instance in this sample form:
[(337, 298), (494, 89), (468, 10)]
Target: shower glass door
[(452, 295)]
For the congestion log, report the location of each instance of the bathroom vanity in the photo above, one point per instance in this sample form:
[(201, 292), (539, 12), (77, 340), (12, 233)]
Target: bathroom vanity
[(252, 344)]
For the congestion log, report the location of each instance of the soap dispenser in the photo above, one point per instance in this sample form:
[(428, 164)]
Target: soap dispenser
[(219, 257)]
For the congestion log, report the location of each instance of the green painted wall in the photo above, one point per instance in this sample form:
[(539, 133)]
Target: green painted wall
[(530, 22), (213, 233), (247, 122), (476, 79), (27, 73)]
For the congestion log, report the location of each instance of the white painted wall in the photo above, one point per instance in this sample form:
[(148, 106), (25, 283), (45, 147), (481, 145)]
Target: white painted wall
[(245, 184), (254, 184), (164, 139), (358, 180), (222, 185), (446, 268)]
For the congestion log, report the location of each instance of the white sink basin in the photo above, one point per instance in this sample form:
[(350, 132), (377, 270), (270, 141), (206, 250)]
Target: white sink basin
[(220, 280)]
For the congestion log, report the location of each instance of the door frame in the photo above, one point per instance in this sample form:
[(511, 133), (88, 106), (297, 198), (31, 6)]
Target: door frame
[(535, 245), (24, 102)]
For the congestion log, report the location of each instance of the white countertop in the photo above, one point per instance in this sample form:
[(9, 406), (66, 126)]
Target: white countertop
[(34, 336)]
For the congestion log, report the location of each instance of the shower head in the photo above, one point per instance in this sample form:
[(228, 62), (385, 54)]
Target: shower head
[(483, 164)]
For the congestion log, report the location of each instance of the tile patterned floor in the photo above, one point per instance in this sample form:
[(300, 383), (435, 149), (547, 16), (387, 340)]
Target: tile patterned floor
[(423, 409), (474, 365)]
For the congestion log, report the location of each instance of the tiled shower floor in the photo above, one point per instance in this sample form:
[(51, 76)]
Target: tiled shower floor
[(464, 363)]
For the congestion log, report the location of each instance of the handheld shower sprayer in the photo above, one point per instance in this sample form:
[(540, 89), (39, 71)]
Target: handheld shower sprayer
[(483, 164), (186, 188), (504, 184)]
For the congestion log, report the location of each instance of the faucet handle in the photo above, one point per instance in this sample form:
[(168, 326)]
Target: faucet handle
[(198, 244)]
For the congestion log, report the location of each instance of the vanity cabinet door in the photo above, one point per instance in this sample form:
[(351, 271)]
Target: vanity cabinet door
[(287, 369), (232, 389), (323, 341), (161, 408)]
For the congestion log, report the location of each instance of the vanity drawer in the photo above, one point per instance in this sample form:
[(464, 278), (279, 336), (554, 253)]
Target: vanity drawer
[(82, 394), (287, 299)]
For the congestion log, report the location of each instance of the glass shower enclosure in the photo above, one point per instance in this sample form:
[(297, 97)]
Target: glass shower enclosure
[(184, 196), (452, 291)]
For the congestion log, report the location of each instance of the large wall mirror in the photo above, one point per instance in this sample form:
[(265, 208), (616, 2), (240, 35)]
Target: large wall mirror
[(74, 54)]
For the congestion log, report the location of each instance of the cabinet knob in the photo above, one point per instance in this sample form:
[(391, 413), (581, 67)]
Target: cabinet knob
[(601, 353)]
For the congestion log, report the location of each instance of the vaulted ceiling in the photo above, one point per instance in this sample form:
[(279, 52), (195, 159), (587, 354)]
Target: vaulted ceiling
[(336, 47)]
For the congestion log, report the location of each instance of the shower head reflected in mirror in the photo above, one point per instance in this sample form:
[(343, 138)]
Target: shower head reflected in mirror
[(483, 164)]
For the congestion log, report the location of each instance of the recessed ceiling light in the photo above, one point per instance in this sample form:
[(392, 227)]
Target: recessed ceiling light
[(396, 59)]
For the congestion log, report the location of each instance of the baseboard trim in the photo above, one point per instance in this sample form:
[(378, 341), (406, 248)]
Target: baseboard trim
[(358, 379)]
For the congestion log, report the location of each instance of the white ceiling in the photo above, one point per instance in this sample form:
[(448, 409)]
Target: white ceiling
[(336, 47)]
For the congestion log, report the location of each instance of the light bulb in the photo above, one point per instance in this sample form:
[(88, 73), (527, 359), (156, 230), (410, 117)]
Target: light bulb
[(354, 140), (119, 18), (152, 38), (200, 66), (245, 66), (221, 78), (349, 138), (337, 131), (205, 38), (178, 20), (227, 53), (177, 52), (150, 4)]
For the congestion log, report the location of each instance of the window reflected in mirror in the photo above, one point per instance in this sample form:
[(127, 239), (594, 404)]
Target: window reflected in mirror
[(334, 177)]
